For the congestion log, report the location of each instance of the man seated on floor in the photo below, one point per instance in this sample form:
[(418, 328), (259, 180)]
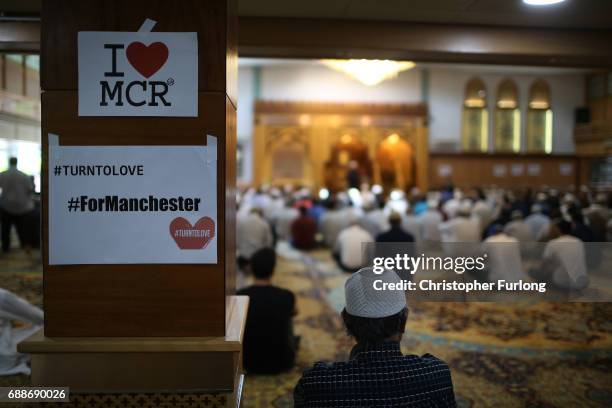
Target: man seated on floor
[(252, 233), (377, 373), (504, 253), (518, 228), (395, 233), (269, 343), (563, 261), (304, 230), (348, 249)]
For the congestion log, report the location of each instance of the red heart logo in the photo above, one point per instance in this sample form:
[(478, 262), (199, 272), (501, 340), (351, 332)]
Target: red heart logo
[(187, 236), (147, 60)]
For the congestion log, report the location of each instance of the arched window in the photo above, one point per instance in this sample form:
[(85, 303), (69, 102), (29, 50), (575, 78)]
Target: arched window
[(539, 119), (475, 118), (507, 132)]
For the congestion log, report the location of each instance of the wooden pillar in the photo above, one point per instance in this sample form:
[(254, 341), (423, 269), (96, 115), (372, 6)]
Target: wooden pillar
[(157, 301), (422, 156), (142, 300)]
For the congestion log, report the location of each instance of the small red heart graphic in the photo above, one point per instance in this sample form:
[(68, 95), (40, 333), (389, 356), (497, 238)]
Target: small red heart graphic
[(147, 60), (187, 236)]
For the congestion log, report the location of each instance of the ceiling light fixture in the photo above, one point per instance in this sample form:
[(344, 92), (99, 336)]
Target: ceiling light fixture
[(542, 2), (369, 72)]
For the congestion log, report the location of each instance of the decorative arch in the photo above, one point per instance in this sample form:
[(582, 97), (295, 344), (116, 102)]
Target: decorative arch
[(507, 125), (287, 149), (475, 117), (395, 158), (321, 126), (347, 148), (538, 136)]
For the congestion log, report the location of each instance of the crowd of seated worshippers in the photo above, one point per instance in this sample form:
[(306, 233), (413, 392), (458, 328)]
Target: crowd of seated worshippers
[(306, 220), (560, 222), (343, 221)]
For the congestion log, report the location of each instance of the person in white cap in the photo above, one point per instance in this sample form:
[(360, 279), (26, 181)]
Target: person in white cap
[(563, 262), (332, 222), (483, 211), (377, 373), (518, 229), (504, 253), (537, 222), (462, 228), (430, 221), (412, 224), (451, 207)]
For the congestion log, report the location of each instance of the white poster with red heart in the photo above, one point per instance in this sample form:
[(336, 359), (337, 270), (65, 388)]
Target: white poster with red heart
[(141, 73), (132, 204)]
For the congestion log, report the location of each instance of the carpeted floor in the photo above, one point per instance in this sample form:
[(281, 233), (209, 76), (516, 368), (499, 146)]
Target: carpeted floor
[(501, 355)]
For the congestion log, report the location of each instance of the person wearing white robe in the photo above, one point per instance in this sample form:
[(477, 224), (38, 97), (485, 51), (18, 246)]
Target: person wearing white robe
[(537, 222), (503, 257), (564, 260), (518, 229), (252, 234), (330, 224), (14, 308), (430, 221)]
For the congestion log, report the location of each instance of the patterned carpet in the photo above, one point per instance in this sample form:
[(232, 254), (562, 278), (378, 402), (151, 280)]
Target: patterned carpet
[(501, 355), (512, 355)]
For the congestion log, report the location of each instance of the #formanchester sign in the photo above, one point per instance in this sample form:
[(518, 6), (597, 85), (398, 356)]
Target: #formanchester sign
[(132, 204), (140, 73)]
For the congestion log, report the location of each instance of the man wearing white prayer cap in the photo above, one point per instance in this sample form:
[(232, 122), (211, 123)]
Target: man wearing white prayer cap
[(538, 222), (430, 221), (377, 374), (462, 228)]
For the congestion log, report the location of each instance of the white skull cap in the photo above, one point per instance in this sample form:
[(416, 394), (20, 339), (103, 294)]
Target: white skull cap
[(363, 300)]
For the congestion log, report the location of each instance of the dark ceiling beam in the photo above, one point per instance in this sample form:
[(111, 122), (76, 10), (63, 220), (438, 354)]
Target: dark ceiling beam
[(20, 36), (305, 38)]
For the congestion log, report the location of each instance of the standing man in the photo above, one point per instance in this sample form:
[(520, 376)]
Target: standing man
[(15, 203), (353, 177)]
